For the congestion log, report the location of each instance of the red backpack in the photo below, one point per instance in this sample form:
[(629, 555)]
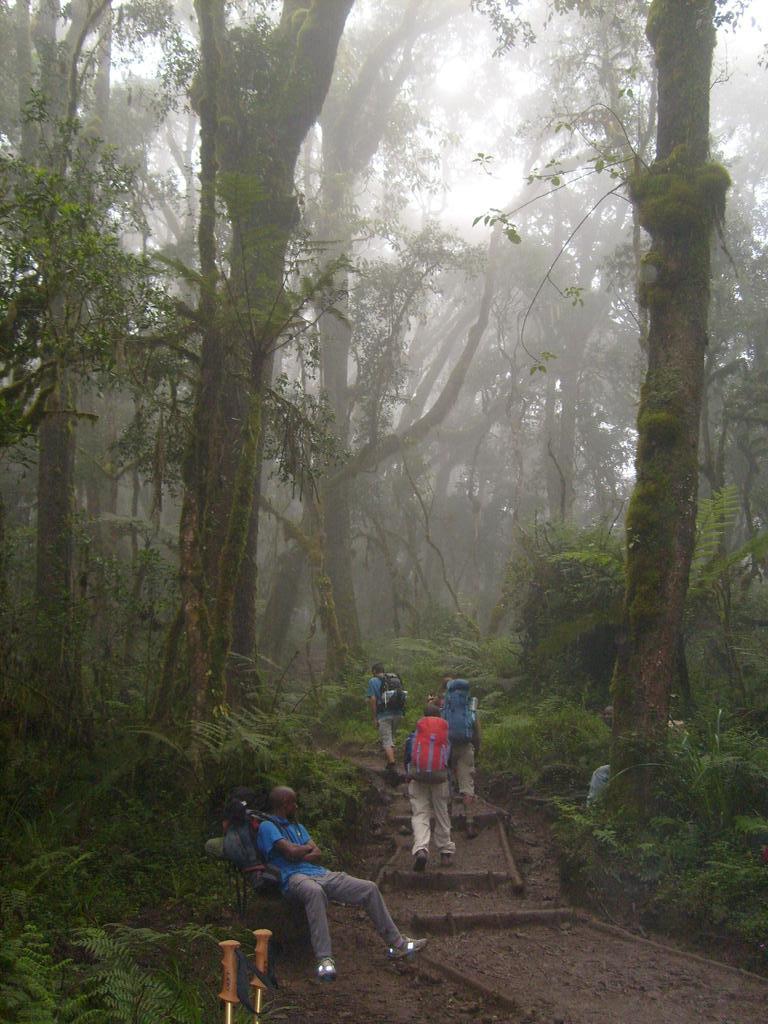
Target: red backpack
[(429, 752)]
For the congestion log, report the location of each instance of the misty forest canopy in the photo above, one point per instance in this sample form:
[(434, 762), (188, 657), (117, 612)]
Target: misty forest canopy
[(338, 330), (430, 332)]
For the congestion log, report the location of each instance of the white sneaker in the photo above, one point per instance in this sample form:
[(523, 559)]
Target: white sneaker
[(326, 969), (408, 948)]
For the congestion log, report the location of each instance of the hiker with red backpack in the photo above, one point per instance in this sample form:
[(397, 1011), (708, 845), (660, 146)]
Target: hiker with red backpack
[(427, 750), (286, 845)]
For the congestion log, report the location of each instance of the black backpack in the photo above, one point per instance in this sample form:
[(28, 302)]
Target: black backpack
[(392, 696), (241, 849)]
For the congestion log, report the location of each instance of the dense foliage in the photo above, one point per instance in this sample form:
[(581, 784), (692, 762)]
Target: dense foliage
[(277, 401)]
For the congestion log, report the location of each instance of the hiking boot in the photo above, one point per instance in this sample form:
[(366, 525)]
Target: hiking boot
[(420, 860), (446, 859), (471, 828), (326, 969), (407, 948)]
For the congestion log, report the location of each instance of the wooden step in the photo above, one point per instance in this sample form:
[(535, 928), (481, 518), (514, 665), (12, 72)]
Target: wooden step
[(444, 880), (451, 924), (482, 818)]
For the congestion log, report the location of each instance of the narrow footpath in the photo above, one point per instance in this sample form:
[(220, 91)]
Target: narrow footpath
[(503, 944)]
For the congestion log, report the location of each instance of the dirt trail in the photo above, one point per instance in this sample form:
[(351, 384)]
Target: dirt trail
[(497, 951)]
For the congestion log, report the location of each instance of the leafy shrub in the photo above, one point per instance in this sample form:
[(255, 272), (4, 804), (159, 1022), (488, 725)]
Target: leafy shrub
[(715, 774), (698, 862), (729, 890), (260, 750), (554, 738), (565, 587)]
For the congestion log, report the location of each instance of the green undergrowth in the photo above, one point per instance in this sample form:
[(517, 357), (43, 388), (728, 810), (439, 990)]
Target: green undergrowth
[(551, 745), (109, 909), (697, 865), (345, 717)]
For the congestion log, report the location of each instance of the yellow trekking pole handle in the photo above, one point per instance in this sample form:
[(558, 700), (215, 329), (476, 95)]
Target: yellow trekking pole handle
[(228, 993), (261, 959)]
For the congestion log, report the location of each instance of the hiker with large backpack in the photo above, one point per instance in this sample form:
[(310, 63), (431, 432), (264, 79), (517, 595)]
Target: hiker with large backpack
[(426, 767), (459, 709), (287, 846), (243, 816), (386, 698)]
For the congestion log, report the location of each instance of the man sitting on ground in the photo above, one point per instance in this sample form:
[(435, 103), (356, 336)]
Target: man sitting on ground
[(288, 845)]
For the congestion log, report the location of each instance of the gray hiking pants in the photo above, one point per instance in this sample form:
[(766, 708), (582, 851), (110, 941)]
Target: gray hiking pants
[(314, 891)]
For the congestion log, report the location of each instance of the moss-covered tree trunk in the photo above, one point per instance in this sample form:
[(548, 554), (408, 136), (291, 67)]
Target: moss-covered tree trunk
[(258, 92), (679, 200)]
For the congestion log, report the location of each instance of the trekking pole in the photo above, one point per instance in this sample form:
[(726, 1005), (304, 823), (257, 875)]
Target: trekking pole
[(261, 959), (228, 993)]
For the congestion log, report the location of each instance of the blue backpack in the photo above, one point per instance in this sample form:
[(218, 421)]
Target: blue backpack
[(459, 711)]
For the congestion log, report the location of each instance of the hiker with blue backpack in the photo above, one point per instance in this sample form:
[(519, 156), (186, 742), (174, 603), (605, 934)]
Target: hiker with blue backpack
[(426, 767), (386, 698), (459, 709), (287, 846)]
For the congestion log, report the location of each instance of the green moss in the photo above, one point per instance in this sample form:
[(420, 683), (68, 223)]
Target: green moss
[(712, 182), (659, 427), (675, 201), (651, 513), (651, 265), (667, 21)]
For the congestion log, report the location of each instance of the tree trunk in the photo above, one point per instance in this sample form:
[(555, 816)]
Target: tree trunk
[(679, 200), (55, 510), (282, 601), (255, 182), (334, 361)]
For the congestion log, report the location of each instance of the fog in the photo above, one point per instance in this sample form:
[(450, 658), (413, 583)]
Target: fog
[(458, 363)]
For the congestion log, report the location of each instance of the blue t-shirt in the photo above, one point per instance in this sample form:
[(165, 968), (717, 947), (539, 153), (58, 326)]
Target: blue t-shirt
[(375, 684), (269, 834)]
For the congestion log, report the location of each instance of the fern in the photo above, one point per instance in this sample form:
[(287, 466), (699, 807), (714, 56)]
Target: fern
[(235, 731), (137, 975), (716, 516), (711, 561)]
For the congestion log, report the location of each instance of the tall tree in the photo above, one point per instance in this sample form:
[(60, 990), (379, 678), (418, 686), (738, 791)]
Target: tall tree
[(69, 291), (354, 123), (260, 88), (679, 199)]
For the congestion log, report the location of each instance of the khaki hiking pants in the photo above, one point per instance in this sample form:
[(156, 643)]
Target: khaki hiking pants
[(428, 799)]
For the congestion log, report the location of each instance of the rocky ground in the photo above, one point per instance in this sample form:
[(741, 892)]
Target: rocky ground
[(497, 952)]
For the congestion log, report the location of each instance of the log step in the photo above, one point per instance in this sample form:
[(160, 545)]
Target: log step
[(451, 924), (482, 818), (444, 880)]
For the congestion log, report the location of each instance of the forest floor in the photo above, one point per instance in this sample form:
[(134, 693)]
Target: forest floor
[(498, 950)]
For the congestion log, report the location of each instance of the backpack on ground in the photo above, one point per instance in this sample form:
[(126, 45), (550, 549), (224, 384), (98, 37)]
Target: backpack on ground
[(392, 696), (459, 711), (429, 751), (241, 849)]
